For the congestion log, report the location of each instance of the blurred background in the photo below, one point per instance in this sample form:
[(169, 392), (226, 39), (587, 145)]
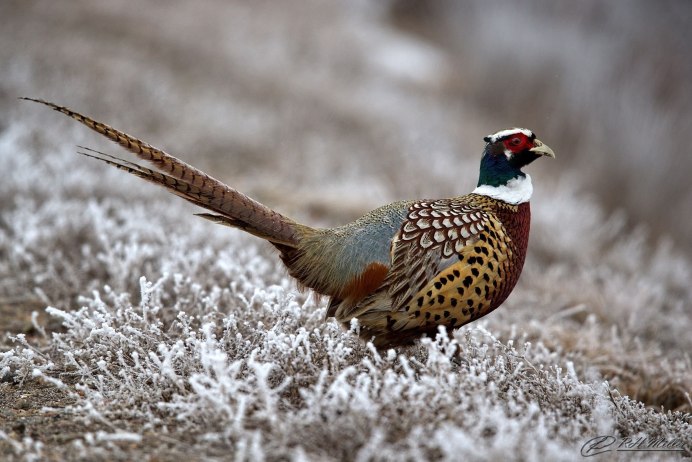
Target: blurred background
[(327, 109)]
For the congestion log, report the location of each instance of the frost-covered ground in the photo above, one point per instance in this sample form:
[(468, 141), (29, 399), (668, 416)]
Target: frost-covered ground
[(159, 336)]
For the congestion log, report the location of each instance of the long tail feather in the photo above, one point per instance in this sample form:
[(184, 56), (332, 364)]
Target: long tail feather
[(192, 184), (180, 188), (173, 185)]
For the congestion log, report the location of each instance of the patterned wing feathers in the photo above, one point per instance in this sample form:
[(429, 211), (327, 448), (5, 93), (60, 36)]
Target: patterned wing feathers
[(434, 233), (463, 291), (447, 283)]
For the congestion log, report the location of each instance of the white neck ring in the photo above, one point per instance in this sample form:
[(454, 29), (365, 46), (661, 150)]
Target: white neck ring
[(517, 190)]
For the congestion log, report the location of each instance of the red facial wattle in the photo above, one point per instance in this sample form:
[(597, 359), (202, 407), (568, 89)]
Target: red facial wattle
[(518, 143)]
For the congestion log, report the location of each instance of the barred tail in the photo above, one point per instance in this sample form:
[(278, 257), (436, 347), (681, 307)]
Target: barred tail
[(231, 207)]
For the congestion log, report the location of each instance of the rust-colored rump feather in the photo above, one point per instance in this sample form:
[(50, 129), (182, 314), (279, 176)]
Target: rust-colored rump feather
[(366, 282)]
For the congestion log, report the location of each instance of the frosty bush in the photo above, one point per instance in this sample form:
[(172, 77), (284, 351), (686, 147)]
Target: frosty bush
[(220, 355), (256, 373)]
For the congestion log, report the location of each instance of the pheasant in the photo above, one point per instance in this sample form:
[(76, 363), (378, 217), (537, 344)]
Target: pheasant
[(402, 270)]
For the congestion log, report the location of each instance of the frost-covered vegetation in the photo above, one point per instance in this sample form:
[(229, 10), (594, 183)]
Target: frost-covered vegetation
[(160, 336)]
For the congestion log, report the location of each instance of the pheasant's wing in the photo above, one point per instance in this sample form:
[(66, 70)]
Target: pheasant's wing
[(431, 239), (448, 264)]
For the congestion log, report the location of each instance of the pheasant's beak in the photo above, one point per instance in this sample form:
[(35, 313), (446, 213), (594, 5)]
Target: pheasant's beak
[(542, 149)]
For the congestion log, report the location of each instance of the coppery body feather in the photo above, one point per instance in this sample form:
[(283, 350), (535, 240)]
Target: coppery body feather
[(403, 269)]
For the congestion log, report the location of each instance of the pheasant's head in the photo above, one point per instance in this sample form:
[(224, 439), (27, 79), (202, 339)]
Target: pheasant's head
[(505, 154)]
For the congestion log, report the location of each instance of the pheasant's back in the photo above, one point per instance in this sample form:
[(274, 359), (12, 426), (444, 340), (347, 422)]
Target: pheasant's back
[(348, 261)]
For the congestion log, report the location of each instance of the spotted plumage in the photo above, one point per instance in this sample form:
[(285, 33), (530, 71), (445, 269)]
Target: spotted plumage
[(401, 270), (456, 266)]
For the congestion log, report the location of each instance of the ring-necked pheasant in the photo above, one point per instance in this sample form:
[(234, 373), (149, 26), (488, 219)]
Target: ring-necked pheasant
[(403, 269)]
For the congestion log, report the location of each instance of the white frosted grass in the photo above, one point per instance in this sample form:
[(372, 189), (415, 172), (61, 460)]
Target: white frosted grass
[(178, 330), (208, 375)]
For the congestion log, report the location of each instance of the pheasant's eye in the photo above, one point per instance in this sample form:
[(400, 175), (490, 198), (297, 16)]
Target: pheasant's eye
[(516, 142)]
